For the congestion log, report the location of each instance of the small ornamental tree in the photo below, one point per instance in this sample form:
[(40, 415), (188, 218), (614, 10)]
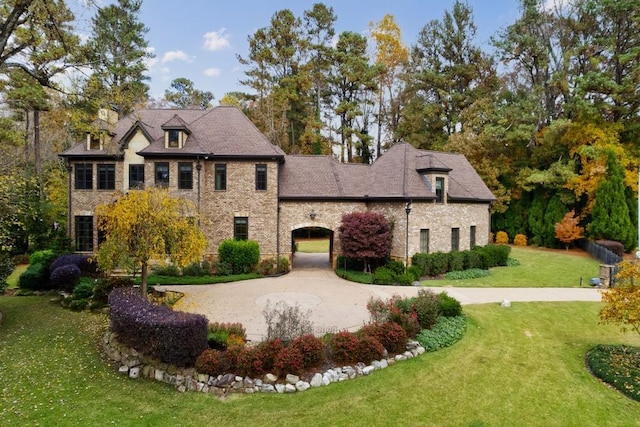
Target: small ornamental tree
[(621, 304), (148, 224), (365, 236), (568, 229)]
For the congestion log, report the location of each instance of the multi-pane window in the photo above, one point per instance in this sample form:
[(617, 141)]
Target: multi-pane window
[(107, 177), (162, 174), (185, 176), (84, 233), (439, 190), (84, 176), (261, 177), (241, 228), (221, 177), (455, 239), (472, 237), (136, 176), (173, 138), (424, 240)]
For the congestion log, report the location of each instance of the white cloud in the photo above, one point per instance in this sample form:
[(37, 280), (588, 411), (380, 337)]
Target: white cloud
[(212, 72), (216, 40), (176, 55)]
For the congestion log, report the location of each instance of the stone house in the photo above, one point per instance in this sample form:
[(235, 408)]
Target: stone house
[(245, 187)]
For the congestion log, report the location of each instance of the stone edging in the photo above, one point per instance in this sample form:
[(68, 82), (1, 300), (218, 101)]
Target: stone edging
[(135, 365)]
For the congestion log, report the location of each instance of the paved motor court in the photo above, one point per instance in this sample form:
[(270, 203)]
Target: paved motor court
[(334, 304)]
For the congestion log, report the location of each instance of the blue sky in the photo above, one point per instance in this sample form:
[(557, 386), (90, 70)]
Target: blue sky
[(199, 39)]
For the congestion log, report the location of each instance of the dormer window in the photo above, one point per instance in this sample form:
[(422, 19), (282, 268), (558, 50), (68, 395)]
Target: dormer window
[(174, 138), (94, 142), (175, 132)]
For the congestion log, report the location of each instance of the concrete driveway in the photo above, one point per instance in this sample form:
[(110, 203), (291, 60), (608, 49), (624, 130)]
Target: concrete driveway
[(334, 304)]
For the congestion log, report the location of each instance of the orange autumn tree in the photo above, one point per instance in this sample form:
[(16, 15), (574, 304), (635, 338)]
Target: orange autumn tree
[(142, 225), (568, 230), (621, 304)]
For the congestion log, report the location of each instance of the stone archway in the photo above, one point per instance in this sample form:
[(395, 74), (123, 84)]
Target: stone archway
[(312, 236)]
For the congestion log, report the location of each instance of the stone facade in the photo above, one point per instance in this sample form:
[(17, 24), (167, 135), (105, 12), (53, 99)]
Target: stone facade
[(445, 193)]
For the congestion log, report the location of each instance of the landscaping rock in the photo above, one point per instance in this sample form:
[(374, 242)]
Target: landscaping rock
[(134, 372), (280, 388), (267, 388), (316, 381), (302, 386), (292, 379), (505, 303), (367, 370), (159, 375), (289, 388), (123, 369), (270, 379)]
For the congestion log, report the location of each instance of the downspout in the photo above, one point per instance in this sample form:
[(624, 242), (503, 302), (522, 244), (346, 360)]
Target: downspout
[(198, 168), (278, 216), (69, 169)]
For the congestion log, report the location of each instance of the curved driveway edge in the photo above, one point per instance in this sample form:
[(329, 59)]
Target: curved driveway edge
[(335, 304)]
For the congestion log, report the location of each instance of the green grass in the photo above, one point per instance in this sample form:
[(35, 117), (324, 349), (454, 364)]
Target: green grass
[(538, 268), (12, 280), (196, 280), (518, 366), (313, 245)]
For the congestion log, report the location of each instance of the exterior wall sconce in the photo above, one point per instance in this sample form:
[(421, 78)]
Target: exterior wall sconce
[(313, 214)]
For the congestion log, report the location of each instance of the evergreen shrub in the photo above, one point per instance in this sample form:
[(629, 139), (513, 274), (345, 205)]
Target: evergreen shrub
[(242, 255)]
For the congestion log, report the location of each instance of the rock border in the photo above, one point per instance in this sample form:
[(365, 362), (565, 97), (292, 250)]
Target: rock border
[(136, 365)]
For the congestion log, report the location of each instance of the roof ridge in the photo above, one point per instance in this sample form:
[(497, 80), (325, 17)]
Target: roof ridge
[(334, 171)]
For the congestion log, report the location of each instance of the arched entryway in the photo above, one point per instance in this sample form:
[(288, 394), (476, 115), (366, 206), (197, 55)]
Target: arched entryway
[(312, 247)]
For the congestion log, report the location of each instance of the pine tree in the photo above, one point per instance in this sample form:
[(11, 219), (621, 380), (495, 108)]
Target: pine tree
[(610, 216), (553, 213)]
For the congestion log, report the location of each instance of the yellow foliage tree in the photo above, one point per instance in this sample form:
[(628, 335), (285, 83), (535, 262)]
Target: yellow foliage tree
[(148, 224), (568, 230), (621, 304)]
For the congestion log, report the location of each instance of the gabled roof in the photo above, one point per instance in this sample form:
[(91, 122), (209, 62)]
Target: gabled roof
[(398, 174), (175, 122), (222, 131)]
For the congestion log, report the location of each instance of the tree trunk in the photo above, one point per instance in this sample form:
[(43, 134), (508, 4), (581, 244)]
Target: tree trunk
[(145, 273), (36, 143)]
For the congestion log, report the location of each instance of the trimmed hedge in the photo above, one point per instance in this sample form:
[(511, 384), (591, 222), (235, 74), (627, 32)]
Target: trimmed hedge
[(242, 255), (65, 277), (172, 337), (481, 257), (35, 277)]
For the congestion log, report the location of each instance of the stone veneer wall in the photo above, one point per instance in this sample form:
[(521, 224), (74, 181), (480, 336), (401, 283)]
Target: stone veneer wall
[(438, 218)]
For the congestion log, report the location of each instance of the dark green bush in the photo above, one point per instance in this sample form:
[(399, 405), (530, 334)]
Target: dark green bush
[(384, 276), (404, 279), (347, 263), (355, 276), (455, 261), (195, 269), (396, 266), (222, 269), (473, 259), (416, 272), (45, 257), (167, 270), (496, 255), (618, 366), (242, 255), (35, 277), (449, 306), (78, 304), (447, 331), (84, 289)]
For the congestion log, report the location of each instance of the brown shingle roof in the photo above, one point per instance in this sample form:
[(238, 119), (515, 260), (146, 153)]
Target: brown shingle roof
[(221, 131), (395, 175)]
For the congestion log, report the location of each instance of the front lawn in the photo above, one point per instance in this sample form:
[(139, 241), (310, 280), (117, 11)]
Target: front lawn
[(12, 280), (541, 268), (518, 366)]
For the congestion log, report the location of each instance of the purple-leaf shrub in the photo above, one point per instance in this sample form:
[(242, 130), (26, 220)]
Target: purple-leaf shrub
[(365, 235), (65, 277), (172, 336), (83, 262)]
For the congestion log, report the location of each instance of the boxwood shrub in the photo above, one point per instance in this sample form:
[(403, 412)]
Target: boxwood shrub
[(173, 337), (242, 255), (480, 257), (35, 277)]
